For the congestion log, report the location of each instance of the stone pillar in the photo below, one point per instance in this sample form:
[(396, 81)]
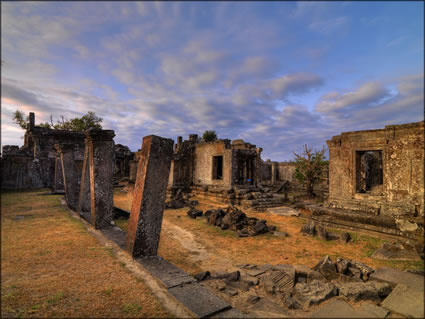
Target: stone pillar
[(32, 121), (179, 143), (84, 204), (144, 227), (71, 175), (274, 172), (100, 149), (58, 177)]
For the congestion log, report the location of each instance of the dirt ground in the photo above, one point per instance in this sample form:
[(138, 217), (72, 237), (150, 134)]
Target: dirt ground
[(51, 266), (196, 246)]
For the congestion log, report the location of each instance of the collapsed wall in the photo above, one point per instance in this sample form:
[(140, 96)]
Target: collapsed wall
[(33, 165)]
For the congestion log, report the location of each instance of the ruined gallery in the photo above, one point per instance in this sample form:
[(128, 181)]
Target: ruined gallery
[(373, 185)]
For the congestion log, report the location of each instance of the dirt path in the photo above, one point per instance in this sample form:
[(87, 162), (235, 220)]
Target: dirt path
[(197, 250)]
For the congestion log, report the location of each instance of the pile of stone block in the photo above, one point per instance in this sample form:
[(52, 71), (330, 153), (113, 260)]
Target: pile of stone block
[(234, 219)]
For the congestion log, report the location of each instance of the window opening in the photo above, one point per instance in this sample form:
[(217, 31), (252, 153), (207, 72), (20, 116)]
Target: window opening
[(369, 172), (217, 167)]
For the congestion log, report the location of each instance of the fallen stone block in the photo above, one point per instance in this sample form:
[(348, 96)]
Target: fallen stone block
[(374, 310), (356, 291), (406, 301), (327, 268), (279, 281), (395, 276), (193, 213), (396, 251), (309, 228), (314, 293)]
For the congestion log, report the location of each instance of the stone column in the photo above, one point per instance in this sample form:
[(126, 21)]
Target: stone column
[(71, 175), (100, 146), (84, 204), (274, 172), (144, 227), (58, 177)]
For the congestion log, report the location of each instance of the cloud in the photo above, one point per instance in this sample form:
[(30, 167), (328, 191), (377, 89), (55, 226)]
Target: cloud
[(373, 106), (368, 93)]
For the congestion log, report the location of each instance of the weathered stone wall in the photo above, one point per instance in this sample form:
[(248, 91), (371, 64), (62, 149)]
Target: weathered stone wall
[(203, 163), (33, 165), (402, 191)]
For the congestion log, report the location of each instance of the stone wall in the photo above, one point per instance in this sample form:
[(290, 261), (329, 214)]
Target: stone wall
[(203, 163), (33, 165), (402, 190)]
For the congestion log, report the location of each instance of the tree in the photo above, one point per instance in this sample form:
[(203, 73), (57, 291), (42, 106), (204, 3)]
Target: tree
[(90, 120), (20, 119), (209, 136), (310, 168)]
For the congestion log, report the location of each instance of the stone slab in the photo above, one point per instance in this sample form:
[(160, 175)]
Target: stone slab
[(395, 276), (339, 309), (199, 300), (166, 272), (374, 310), (115, 234), (254, 272), (229, 313), (406, 301), (283, 211)]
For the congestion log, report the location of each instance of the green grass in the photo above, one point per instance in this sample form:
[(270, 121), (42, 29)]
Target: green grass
[(131, 308)]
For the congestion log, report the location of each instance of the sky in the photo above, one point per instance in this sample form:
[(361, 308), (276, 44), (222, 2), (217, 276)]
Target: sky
[(275, 74)]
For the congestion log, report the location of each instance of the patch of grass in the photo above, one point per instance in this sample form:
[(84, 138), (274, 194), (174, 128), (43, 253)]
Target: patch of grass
[(131, 308), (41, 264), (107, 291), (56, 298)]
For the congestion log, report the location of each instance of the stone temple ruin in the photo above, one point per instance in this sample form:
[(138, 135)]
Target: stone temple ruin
[(375, 182)]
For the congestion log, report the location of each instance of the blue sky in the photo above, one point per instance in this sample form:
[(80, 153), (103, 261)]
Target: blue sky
[(276, 74)]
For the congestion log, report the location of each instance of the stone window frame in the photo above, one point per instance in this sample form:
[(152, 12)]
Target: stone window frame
[(374, 147), (222, 167)]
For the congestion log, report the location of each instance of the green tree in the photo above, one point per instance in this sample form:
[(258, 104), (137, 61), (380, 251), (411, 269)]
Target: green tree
[(90, 120), (20, 119), (209, 136), (310, 167)]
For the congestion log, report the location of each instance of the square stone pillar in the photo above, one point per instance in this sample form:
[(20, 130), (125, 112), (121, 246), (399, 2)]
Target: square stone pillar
[(84, 204), (274, 172), (144, 227), (71, 173), (100, 151), (58, 177)]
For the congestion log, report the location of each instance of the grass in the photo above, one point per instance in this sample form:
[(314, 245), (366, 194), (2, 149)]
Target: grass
[(266, 248), (52, 267)]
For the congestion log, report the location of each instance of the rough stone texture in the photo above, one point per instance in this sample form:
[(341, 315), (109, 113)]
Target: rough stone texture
[(279, 281), (144, 226), (356, 291), (199, 299), (314, 293), (396, 251), (395, 276), (402, 190), (170, 275), (327, 268), (58, 179), (406, 301), (84, 200), (99, 155), (33, 165), (70, 157)]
